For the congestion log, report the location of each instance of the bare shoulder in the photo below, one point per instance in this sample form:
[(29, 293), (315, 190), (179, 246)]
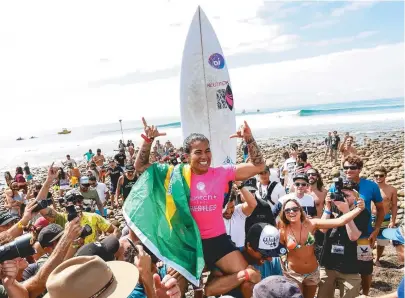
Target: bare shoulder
[(392, 189)]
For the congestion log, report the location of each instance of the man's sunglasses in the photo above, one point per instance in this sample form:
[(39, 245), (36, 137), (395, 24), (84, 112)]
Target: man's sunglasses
[(263, 173), (130, 173), (300, 184), (379, 175), (293, 209), (87, 185), (350, 168), (312, 174)]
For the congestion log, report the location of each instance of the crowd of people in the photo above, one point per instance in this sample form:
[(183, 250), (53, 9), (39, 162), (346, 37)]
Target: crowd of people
[(278, 231)]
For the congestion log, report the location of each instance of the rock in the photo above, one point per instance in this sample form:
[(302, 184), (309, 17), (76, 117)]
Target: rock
[(401, 193)]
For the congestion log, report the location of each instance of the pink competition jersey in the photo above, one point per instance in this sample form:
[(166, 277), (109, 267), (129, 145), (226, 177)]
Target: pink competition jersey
[(206, 199)]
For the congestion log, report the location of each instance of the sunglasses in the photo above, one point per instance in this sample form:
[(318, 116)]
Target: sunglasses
[(130, 173), (350, 168), (379, 175), (85, 185), (263, 173), (312, 174), (293, 209), (300, 184)]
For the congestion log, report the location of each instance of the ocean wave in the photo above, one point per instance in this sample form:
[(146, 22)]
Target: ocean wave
[(314, 112)]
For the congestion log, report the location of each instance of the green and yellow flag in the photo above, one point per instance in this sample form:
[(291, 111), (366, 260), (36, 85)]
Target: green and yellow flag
[(157, 210)]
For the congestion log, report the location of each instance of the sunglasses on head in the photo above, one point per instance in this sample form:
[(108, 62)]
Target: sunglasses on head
[(297, 184), (312, 174), (293, 209), (350, 167), (379, 175)]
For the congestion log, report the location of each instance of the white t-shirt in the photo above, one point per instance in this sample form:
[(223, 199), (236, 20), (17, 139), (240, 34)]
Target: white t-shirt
[(290, 166), (101, 189), (235, 227)]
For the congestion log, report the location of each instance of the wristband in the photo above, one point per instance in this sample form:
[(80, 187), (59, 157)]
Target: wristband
[(327, 212), (241, 186), (147, 140), (247, 277)]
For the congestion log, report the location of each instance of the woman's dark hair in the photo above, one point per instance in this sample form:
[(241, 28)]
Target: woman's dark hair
[(283, 217), (19, 170), (319, 182), (62, 174), (188, 142), (286, 155)]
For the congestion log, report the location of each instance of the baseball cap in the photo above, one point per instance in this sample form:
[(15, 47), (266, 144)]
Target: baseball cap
[(84, 180), (105, 249), (41, 222), (49, 234), (265, 238), (129, 168), (301, 176), (250, 184), (276, 286), (394, 234), (6, 218)]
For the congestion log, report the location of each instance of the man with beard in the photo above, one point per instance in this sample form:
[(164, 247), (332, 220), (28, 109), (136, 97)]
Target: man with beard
[(316, 190), (126, 182)]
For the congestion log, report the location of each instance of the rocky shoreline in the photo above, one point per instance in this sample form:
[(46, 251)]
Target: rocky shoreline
[(386, 149)]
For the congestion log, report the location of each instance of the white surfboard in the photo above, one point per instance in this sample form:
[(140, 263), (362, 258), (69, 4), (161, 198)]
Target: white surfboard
[(206, 99)]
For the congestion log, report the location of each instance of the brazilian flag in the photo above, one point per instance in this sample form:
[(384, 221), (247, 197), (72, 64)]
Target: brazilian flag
[(157, 210)]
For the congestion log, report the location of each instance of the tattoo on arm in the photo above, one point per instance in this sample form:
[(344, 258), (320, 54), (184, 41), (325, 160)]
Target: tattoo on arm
[(142, 158), (255, 155)]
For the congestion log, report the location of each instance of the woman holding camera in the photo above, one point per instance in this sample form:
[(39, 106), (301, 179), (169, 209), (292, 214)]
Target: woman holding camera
[(297, 235)]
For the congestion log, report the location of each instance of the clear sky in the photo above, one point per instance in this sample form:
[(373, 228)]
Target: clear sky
[(70, 63)]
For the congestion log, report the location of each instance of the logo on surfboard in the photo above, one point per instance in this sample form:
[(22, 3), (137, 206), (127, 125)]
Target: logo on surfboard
[(225, 98), (216, 61)]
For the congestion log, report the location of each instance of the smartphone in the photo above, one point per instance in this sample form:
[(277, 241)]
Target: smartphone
[(40, 205), (134, 246), (72, 213)]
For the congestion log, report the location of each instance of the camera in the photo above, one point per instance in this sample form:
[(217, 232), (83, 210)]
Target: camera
[(42, 205), (72, 212), (341, 184), (86, 231), (20, 247)]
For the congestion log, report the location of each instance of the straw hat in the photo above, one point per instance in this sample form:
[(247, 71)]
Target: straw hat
[(91, 277)]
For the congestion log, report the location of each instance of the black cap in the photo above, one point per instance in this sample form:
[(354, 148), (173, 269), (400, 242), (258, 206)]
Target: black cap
[(276, 287), (265, 238), (251, 184), (49, 234), (105, 249), (6, 218), (301, 176), (129, 168)]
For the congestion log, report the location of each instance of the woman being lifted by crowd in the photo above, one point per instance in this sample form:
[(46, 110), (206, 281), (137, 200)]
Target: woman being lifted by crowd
[(210, 181)]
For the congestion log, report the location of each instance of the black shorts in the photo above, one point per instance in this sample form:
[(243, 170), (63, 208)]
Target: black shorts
[(365, 267), (216, 248)]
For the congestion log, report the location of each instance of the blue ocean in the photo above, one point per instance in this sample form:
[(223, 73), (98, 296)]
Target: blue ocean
[(369, 118)]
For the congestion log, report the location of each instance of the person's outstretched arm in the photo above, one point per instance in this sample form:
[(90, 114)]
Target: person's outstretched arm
[(142, 159)]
